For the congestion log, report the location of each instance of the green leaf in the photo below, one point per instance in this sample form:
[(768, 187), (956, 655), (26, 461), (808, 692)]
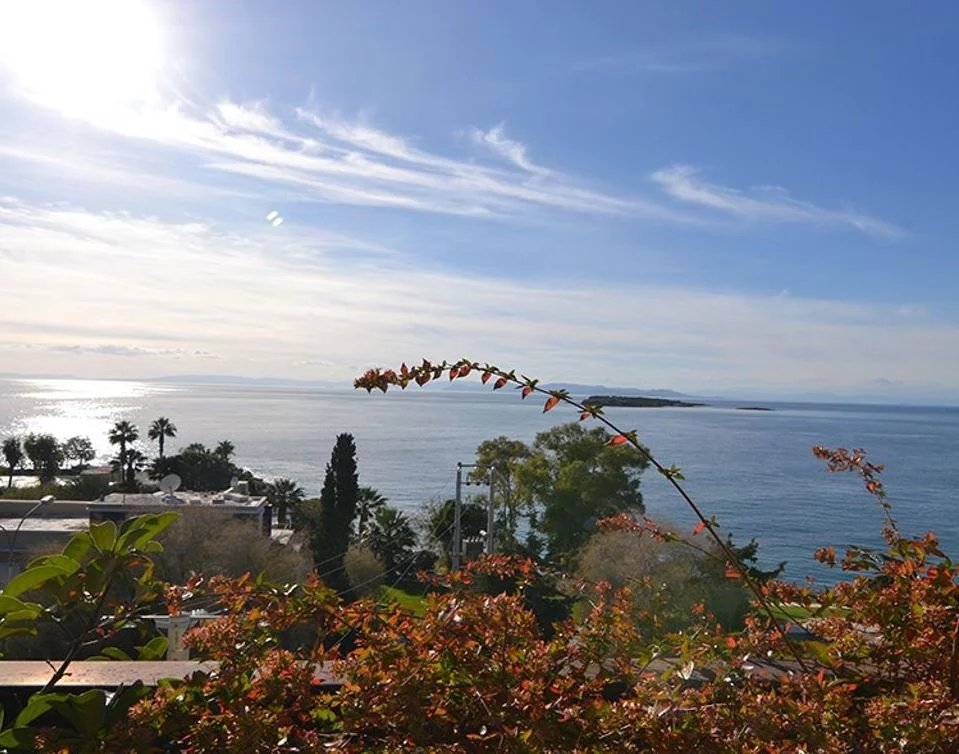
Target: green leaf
[(113, 653), (85, 711), (104, 535), (10, 604), (39, 704), (67, 565), (19, 739), (78, 546), (32, 578), (155, 649), (137, 532)]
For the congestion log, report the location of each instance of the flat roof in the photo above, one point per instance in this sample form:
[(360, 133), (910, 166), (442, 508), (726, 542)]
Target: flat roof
[(226, 499), (58, 524)]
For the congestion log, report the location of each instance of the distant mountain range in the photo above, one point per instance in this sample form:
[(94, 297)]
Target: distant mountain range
[(574, 388)]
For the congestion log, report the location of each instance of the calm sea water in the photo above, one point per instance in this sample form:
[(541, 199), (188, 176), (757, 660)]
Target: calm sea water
[(752, 470)]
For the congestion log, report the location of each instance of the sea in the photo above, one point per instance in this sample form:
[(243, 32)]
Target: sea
[(752, 470)]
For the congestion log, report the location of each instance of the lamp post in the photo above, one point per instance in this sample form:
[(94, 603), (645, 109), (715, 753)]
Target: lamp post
[(12, 539)]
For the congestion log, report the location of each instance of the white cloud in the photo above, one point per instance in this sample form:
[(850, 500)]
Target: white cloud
[(514, 151), (168, 292), (766, 203), (338, 161), (113, 349)]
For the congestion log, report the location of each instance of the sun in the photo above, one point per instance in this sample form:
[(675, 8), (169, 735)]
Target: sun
[(78, 54)]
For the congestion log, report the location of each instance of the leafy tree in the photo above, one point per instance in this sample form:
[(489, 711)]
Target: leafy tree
[(161, 429), (210, 541), (330, 531), (439, 523), (84, 487), (391, 537), (498, 459), (13, 455), (79, 449), (284, 495), (200, 468), (368, 501), (363, 569), (572, 478), (44, 454)]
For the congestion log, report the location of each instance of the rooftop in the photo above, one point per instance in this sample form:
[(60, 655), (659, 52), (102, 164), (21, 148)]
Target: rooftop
[(229, 498)]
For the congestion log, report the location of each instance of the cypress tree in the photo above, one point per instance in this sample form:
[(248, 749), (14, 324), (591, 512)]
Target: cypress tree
[(331, 538)]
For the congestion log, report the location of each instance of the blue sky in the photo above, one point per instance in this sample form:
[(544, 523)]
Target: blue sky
[(735, 197)]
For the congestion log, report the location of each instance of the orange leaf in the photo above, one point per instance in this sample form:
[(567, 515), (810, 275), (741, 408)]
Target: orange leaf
[(698, 528), (453, 373), (732, 573), (550, 403), (486, 376), (731, 642), (527, 390), (499, 383), (584, 416), (618, 440), (464, 371)]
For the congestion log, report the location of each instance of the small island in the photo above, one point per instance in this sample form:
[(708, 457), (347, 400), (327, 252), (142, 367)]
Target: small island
[(637, 401), (753, 408)]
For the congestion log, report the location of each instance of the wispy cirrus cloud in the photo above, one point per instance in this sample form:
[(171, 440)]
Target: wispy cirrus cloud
[(514, 151), (716, 52), (334, 160), (770, 203), (323, 158)]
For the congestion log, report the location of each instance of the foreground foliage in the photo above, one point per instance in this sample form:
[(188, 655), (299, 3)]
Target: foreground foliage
[(875, 667)]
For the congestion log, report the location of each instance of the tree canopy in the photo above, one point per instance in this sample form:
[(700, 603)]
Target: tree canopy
[(566, 481), (45, 455)]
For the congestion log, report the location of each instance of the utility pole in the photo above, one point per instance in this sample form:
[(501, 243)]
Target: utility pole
[(457, 519), (490, 523)]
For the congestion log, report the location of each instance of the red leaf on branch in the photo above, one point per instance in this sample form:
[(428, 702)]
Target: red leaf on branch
[(486, 376), (527, 390), (731, 642), (454, 373), (698, 528), (618, 440), (464, 371), (550, 403), (584, 416), (732, 573), (499, 383)]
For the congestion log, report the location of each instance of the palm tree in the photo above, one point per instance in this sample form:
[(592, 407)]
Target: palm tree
[(13, 455), (368, 501), (391, 537), (161, 429), (284, 494), (122, 434), (224, 449)]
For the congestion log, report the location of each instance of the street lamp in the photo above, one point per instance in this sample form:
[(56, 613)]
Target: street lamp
[(12, 539)]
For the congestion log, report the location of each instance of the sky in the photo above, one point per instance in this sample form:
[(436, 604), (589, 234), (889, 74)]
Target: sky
[(718, 198)]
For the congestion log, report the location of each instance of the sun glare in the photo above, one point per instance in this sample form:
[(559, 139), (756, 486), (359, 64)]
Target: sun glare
[(78, 54)]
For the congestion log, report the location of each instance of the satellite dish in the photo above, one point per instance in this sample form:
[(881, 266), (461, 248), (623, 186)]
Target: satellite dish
[(170, 483)]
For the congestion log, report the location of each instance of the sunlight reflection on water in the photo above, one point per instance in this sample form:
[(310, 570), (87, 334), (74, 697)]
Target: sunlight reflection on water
[(65, 408)]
